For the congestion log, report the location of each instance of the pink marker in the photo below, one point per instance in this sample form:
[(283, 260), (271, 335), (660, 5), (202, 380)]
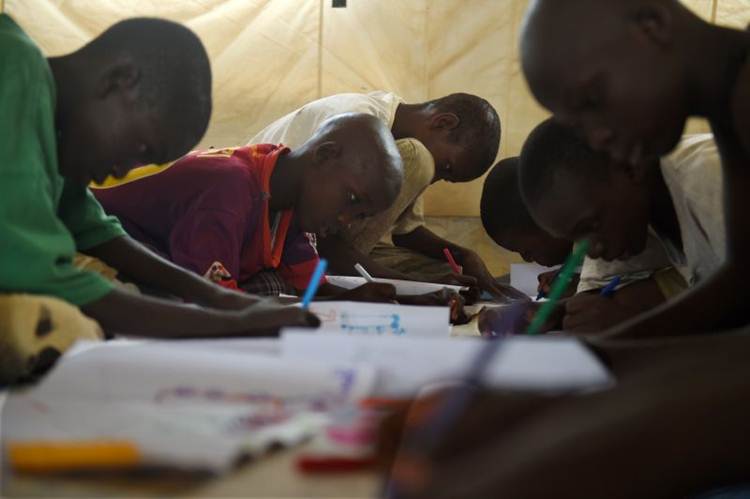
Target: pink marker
[(451, 261)]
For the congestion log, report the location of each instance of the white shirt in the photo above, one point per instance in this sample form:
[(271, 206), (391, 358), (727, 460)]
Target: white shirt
[(406, 213), (694, 178), (297, 127)]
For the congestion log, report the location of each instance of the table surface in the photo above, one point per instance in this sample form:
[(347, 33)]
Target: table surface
[(271, 476)]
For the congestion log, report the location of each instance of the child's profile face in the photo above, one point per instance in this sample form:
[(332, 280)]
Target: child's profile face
[(535, 245), (334, 195), (625, 95), (111, 136), (454, 161), (612, 214)]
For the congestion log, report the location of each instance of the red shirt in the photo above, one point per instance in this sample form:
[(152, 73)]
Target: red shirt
[(212, 206)]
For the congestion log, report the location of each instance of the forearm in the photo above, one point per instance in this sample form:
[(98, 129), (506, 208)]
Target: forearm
[(424, 241), (639, 297), (342, 257), (120, 312), (641, 426), (718, 303), (144, 266), (328, 291)]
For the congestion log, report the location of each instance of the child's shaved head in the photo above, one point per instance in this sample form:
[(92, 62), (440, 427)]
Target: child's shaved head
[(173, 72), (507, 220), (356, 172), (138, 93), (369, 148), (613, 70)]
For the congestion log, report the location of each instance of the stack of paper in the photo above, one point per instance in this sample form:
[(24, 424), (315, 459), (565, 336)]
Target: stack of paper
[(190, 405), (404, 366)]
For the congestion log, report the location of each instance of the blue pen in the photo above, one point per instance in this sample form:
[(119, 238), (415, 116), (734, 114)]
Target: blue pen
[(609, 289), (320, 269)]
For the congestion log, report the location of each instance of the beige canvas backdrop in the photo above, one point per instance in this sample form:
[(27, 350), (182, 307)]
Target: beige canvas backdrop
[(271, 56)]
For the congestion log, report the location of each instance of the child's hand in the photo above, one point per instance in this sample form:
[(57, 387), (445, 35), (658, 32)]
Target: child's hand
[(443, 297), (474, 266), (378, 292), (266, 317), (509, 319), (591, 313), (545, 281), (457, 280), (416, 472), (547, 278)]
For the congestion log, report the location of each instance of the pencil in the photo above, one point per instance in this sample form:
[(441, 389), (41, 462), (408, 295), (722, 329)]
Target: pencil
[(361, 271)]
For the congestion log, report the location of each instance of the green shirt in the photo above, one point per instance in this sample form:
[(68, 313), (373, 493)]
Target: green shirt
[(43, 218)]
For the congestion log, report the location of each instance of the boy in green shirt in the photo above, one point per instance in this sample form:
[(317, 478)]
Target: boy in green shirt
[(139, 93)]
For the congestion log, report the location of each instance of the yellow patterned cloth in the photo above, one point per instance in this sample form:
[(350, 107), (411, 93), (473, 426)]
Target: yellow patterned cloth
[(35, 331)]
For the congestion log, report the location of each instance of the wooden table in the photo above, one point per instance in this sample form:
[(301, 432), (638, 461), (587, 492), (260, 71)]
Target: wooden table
[(273, 476)]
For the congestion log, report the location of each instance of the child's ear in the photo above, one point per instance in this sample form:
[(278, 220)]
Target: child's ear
[(326, 152), (653, 21), (122, 75), (444, 121)]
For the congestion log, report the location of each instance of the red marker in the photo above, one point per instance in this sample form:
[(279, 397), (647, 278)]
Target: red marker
[(333, 464), (451, 261)]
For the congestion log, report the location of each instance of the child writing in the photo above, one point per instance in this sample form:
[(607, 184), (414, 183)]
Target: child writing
[(138, 93), (231, 214), (576, 193), (628, 82), (454, 138)]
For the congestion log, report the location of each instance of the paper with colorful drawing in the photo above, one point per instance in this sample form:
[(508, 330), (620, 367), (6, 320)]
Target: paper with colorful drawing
[(405, 365), (402, 287), (380, 319), (189, 405)]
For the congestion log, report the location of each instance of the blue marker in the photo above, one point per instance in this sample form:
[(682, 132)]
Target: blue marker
[(320, 269), (609, 289)]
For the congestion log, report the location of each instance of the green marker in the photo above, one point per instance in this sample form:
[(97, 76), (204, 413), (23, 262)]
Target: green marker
[(558, 287)]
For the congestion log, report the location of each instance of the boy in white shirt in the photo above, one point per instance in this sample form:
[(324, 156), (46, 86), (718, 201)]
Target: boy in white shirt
[(454, 138)]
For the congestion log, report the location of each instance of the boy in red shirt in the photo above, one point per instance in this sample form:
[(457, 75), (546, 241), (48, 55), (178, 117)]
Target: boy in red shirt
[(230, 214)]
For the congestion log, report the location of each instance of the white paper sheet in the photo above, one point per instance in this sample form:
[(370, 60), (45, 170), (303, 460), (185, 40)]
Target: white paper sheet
[(196, 404), (382, 319), (524, 277), (405, 365), (402, 287)]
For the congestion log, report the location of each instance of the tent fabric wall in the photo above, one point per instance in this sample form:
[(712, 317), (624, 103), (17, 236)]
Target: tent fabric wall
[(271, 56)]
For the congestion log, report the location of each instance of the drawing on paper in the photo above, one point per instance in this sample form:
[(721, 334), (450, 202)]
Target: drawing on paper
[(378, 323)]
